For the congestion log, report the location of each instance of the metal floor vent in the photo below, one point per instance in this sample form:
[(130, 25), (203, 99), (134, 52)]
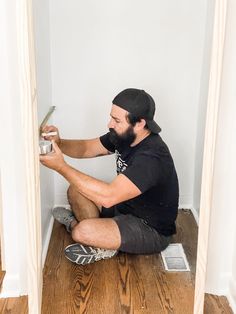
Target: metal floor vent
[(174, 258)]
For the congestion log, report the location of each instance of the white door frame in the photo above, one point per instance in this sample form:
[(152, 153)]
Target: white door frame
[(28, 102), (209, 150), (2, 255), (27, 70), (20, 103), (31, 145)]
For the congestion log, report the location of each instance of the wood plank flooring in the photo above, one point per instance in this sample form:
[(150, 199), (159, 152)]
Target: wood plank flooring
[(214, 304), (124, 284), (14, 305)]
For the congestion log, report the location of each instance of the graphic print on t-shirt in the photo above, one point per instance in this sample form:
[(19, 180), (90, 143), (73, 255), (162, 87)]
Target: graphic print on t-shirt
[(121, 165)]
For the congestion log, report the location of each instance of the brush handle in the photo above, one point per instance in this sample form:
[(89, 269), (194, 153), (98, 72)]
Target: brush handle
[(49, 134)]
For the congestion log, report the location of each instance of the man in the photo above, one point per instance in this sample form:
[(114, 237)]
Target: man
[(136, 212)]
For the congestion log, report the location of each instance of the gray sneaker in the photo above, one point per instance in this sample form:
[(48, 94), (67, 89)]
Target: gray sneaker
[(82, 254), (64, 216)]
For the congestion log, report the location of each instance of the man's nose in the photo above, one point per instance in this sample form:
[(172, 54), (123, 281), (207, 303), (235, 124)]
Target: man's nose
[(110, 124)]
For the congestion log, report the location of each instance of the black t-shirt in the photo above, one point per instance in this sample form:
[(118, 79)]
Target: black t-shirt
[(150, 167)]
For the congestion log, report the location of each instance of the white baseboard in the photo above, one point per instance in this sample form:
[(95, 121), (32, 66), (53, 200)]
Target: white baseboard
[(231, 296), (50, 226), (219, 285), (47, 240), (48, 235), (66, 205), (61, 199), (62, 202), (10, 286), (193, 210), (195, 215), (225, 286)]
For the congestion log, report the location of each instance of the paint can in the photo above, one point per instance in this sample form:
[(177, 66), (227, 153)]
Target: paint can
[(45, 147)]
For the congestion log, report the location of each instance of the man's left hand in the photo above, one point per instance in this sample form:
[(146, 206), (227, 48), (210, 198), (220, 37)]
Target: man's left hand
[(53, 160)]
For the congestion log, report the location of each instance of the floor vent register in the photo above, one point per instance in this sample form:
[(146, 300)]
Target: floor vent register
[(174, 258)]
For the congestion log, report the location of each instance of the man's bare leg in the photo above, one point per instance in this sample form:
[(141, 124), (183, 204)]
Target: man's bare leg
[(82, 207), (92, 230), (98, 232)]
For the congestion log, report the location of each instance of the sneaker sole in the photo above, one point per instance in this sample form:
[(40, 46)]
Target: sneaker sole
[(80, 255)]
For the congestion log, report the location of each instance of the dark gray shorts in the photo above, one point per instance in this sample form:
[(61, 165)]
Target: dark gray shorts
[(137, 236)]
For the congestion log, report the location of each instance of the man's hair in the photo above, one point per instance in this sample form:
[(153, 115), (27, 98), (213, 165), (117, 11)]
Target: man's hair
[(133, 119)]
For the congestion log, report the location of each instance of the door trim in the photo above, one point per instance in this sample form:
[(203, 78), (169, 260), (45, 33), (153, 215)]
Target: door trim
[(29, 112), (27, 77), (209, 151)]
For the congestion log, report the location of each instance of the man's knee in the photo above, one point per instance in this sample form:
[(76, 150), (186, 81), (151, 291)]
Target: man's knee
[(82, 232), (72, 194)]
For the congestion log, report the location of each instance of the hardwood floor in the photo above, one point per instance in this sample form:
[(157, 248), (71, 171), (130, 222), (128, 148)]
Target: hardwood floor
[(14, 305), (214, 304), (124, 284)]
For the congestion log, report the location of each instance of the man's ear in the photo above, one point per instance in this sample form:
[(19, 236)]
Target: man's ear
[(141, 124)]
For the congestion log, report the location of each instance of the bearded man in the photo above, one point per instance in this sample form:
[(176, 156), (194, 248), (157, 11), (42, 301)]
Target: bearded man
[(136, 212)]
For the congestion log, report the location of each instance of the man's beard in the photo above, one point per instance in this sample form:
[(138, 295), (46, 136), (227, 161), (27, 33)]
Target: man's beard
[(124, 140)]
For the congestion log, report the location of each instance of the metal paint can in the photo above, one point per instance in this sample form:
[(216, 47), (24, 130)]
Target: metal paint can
[(45, 147)]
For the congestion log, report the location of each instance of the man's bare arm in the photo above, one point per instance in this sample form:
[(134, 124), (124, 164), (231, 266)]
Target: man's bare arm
[(100, 192), (75, 148), (83, 148)]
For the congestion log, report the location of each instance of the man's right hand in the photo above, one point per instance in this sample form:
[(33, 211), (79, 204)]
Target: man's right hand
[(47, 130)]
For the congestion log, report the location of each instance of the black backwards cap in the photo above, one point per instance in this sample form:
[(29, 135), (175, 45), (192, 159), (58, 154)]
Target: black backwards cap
[(139, 103)]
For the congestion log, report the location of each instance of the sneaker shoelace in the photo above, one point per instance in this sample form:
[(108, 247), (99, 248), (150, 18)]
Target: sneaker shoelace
[(69, 218)]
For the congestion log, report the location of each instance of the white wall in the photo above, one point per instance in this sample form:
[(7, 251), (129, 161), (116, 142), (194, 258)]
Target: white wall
[(202, 105), (101, 47), (221, 276), (43, 73)]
